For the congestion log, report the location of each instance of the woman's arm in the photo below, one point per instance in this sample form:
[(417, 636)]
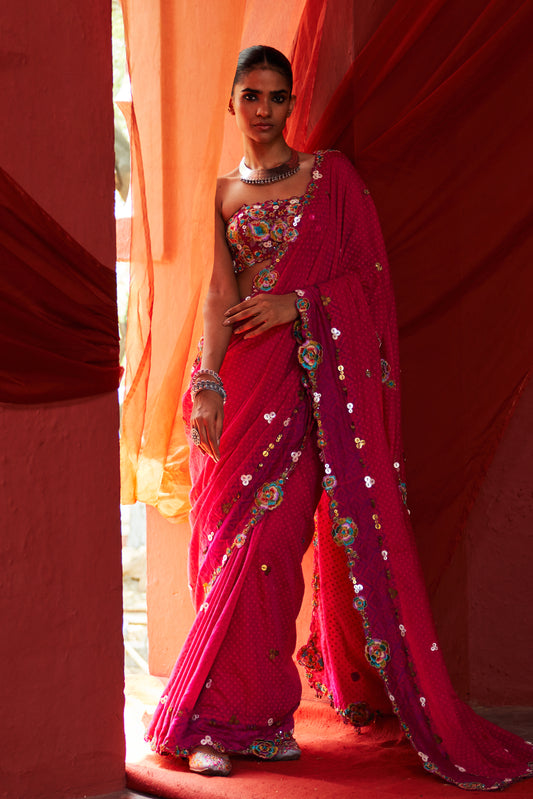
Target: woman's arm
[(208, 408)]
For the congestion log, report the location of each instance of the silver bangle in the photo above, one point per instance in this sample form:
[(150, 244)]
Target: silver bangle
[(207, 385), (211, 372)]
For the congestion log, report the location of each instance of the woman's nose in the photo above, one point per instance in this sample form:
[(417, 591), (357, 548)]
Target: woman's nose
[(263, 109)]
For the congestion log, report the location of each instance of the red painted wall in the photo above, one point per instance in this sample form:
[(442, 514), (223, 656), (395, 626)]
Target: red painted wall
[(61, 670)]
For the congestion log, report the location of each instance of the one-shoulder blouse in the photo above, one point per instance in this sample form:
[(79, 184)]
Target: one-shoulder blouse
[(262, 231)]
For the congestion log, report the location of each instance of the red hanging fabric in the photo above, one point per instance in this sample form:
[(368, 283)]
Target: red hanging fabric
[(435, 111), (59, 335)]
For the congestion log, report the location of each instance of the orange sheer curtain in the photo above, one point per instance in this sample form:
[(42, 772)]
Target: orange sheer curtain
[(181, 58)]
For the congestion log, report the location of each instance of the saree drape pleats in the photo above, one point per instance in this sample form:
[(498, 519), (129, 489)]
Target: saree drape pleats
[(431, 101), (59, 332), (310, 406)]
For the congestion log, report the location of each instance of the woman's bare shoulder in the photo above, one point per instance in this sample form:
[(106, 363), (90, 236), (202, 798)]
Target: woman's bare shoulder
[(306, 159), (225, 183)]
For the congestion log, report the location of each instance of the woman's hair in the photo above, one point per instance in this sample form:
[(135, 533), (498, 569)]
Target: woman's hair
[(260, 56)]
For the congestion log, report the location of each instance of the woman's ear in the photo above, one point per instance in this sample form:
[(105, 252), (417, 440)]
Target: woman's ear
[(292, 103), (230, 106)]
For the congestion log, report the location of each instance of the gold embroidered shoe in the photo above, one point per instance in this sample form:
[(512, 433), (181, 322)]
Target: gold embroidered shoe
[(206, 760)]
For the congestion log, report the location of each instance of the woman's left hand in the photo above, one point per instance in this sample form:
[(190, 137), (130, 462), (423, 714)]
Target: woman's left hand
[(260, 312)]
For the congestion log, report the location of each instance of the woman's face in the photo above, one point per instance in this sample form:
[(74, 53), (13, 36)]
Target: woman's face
[(262, 102)]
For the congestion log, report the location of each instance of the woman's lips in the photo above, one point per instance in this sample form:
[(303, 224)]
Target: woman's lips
[(262, 126)]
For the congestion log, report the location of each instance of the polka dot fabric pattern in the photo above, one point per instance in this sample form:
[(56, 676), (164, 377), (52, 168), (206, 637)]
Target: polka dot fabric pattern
[(313, 418)]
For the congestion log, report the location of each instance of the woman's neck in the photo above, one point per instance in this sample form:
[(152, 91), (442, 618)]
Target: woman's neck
[(265, 156)]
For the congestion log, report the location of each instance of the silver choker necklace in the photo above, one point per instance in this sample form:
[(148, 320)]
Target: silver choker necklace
[(272, 175)]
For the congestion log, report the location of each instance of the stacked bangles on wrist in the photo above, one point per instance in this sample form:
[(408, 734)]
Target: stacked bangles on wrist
[(205, 380)]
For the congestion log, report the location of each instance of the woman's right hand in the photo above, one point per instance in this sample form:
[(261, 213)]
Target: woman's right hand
[(208, 417)]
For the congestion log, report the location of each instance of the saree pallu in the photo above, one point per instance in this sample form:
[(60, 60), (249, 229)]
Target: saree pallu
[(313, 418)]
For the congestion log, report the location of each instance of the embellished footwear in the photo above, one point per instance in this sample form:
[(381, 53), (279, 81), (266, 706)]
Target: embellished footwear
[(288, 750), (206, 760)]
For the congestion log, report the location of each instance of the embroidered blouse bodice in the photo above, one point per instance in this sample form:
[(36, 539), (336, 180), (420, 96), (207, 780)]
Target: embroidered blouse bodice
[(262, 231)]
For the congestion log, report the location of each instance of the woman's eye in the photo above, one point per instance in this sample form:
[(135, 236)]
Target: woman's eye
[(249, 97), (279, 98)]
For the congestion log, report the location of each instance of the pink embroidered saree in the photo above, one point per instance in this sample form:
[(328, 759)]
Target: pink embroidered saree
[(313, 418)]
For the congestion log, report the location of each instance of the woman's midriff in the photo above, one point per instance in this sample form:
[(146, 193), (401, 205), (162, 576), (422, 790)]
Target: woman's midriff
[(245, 279)]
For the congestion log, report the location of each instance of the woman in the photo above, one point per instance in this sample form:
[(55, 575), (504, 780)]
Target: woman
[(300, 338)]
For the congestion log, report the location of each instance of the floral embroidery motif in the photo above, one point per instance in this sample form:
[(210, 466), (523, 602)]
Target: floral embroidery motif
[(369, 481), (359, 603), (263, 749), (269, 417), (335, 333), (329, 482), (266, 279), (310, 354), (360, 714), (344, 532), (269, 496), (377, 653), (310, 656), (245, 479)]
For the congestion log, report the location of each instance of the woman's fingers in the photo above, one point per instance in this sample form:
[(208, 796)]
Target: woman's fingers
[(207, 419), (257, 314), (240, 312), (208, 442)]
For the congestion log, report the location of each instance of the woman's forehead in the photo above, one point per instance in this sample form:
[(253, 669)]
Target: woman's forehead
[(261, 77)]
